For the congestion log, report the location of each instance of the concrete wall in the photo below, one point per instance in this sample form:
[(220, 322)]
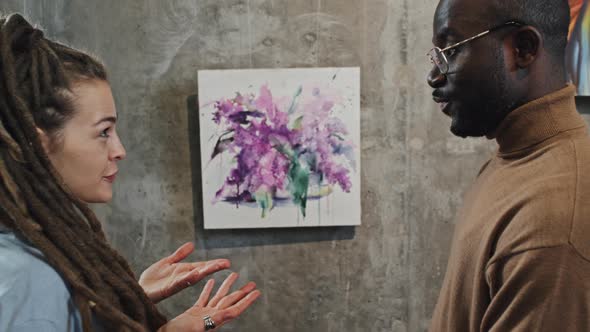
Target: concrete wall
[(382, 276)]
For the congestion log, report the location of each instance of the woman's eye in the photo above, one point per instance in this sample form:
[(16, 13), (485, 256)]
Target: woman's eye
[(104, 133)]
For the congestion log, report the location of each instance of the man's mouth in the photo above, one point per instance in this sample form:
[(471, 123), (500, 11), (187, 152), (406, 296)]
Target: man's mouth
[(443, 104), (444, 107)]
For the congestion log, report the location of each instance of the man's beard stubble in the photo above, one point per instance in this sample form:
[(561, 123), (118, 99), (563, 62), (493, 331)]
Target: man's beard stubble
[(483, 113)]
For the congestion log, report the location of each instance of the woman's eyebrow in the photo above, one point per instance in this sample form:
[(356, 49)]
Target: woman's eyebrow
[(112, 119)]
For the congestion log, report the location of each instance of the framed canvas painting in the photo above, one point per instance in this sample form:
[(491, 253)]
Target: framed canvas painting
[(280, 147), (578, 49)]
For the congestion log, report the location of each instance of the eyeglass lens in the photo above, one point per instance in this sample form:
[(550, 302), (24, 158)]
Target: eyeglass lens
[(437, 57)]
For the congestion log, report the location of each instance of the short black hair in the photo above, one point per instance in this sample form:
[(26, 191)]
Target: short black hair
[(550, 17)]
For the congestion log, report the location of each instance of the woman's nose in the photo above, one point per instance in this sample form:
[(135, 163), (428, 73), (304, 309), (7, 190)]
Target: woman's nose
[(118, 150)]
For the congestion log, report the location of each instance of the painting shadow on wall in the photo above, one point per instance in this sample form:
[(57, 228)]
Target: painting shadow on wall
[(583, 104), (231, 238)]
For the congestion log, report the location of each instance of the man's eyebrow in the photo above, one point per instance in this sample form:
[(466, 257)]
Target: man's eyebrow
[(445, 32), (112, 119)]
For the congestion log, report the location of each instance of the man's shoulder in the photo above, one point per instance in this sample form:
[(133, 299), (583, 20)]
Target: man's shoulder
[(552, 207), (580, 233)]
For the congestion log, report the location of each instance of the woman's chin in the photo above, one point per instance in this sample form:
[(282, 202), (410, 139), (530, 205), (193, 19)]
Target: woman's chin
[(98, 198)]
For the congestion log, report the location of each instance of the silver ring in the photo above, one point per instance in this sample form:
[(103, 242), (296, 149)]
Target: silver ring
[(209, 323)]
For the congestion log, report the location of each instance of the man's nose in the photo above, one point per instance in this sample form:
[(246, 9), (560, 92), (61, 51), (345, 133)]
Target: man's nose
[(435, 78)]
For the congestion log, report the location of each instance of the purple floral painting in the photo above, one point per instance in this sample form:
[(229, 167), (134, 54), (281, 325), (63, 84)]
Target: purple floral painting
[(280, 147)]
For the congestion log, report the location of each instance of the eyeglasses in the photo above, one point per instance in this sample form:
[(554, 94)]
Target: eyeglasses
[(438, 57)]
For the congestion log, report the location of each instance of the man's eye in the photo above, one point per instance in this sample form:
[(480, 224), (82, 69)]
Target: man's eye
[(452, 52)]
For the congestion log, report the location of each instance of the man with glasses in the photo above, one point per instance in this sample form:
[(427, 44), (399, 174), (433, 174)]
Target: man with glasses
[(520, 259)]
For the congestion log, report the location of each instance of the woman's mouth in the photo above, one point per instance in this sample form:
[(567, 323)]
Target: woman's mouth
[(110, 178)]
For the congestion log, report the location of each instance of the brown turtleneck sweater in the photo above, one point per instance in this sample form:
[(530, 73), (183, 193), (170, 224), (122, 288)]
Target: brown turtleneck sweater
[(520, 259)]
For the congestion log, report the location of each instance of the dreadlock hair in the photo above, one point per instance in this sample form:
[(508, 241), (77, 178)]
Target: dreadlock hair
[(36, 79)]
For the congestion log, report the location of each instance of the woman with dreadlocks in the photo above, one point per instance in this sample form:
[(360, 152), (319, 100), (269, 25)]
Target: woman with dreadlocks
[(59, 151)]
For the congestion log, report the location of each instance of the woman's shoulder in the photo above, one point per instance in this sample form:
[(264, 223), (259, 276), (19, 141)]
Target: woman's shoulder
[(22, 264), (12, 246), (31, 291)]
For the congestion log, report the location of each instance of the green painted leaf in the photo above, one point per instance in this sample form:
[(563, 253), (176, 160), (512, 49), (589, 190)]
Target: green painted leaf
[(297, 124), (265, 201), (298, 184), (294, 102)]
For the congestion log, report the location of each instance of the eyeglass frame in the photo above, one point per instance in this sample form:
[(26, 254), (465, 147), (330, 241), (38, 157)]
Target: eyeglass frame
[(479, 35)]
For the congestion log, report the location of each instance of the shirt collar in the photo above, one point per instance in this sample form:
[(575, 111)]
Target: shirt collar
[(539, 120)]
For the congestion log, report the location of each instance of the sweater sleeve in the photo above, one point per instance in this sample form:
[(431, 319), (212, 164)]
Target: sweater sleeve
[(546, 289)]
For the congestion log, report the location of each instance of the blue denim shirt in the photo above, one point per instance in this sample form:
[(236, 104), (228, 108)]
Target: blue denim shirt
[(33, 296)]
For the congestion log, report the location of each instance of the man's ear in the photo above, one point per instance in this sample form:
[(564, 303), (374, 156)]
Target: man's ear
[(528, 43), (45, 141)]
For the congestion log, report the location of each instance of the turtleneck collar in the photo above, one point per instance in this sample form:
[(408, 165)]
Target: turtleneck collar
[(539, 120)]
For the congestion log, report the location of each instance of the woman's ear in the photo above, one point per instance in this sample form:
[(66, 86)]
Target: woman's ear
[(45, 141)]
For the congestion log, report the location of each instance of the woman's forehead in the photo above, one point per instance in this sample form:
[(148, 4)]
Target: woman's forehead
[(94, 100)]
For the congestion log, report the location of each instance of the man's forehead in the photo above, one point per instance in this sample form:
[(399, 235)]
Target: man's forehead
[(460, 18), (456, 28)]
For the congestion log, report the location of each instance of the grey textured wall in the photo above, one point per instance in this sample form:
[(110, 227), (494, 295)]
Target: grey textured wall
[(382, 276)]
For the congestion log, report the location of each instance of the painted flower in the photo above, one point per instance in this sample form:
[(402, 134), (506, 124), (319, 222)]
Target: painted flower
[(281, 146)]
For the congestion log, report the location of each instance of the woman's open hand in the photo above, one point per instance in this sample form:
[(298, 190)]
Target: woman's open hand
[(222, 307), (169, 276)]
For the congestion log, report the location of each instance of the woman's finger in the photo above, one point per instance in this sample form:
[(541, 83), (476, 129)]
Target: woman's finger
[(203, 269), (181, 253), (234, 297), (223, 316), (223, 289), (204, 297)]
